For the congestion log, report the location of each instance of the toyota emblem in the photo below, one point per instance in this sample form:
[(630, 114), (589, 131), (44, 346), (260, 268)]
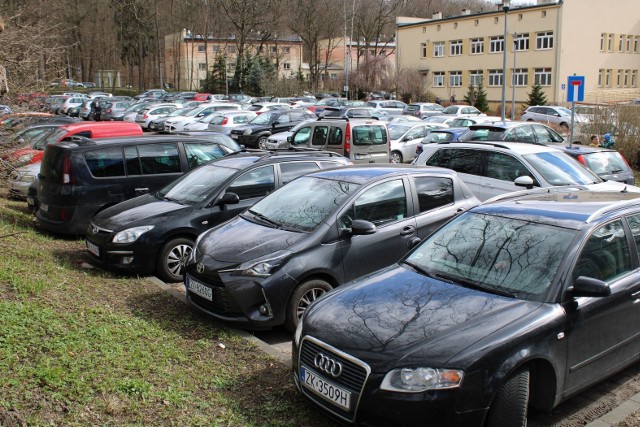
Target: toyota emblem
[(200, 267), (328, 365)]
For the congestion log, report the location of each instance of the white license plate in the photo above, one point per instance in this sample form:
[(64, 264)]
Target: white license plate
[(94, 249), (362, 156), (200, 289), (325, 389), (44, 207)]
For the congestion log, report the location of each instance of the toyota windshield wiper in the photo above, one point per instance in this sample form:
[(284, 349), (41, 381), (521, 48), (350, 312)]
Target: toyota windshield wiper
[(264, 219)]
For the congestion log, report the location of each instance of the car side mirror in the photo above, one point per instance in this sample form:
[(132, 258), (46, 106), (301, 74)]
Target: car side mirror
[(360, 227), (290, 139), (229, 199), (589, 287), (276, 123), (413, 242), (524, 181)]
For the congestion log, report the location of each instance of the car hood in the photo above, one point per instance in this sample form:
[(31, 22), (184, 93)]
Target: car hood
[(240, 240), (143, 210), (397, 314), (614, 186)]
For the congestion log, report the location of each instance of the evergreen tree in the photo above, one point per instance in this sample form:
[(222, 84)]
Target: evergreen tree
[(537, 96), (477, 97), (470, 96), (216, 79)]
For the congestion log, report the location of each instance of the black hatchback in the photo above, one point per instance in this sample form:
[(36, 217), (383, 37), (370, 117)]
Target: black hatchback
[(255, 133), (263, 268), (155, 232)]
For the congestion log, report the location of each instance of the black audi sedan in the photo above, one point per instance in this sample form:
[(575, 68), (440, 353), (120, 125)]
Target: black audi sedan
[(264, 267), (155, 232), (523, 301)]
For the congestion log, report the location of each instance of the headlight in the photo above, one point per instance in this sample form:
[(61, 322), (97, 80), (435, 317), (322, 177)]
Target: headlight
[(131, 234), (27, 177), (247, 132), (263, 267), (298, 335), (415, 380), (25, 158)]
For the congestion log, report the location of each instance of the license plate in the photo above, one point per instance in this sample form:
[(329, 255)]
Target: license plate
[(325, 389), (362, 156), (44, 207), (200, 289), (94, 249)]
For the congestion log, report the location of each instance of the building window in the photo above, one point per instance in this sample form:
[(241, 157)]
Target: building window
[(636, 42), (544, 40), (333, 76), (543, 14), (521, 42), (286, 66), (273, 49), (286, 49), (455, 48), (626, 78), (600, 77), (628, 44), (438, 79), (607, 78), (215, 48), (519, 17), (455, 78), (476, 77), (634, 78), (495, 77), (610, 43), (542, 76), (438, 49), (423, 50), (619, 78), (476, 22), (477, 46), (201, 48), (202, 66), (424, 29), (496, 20), (603, 37), (455, 25), (621, 44), (231, 49), (520, 77), (497, 44)]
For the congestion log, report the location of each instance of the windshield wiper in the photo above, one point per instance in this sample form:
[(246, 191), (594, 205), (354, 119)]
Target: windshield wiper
[(429, 273), (171, 199), (491, 290), (263, 218)]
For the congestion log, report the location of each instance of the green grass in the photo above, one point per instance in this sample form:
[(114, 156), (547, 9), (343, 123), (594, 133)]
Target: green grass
[(83, 347)]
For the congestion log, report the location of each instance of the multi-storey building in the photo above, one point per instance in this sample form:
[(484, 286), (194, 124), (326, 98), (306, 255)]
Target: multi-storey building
[(546, 42), (189, 57)]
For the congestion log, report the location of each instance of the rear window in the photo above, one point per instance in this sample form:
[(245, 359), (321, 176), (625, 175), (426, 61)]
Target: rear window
[(369, 135), (605, 162), (105, 162), (51, 166), (413, 108)]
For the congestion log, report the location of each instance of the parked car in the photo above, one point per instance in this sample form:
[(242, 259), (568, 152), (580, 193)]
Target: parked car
[(222, 121), (519, 302), (423, 110), (352, 112), (20, 179), (152, 112), (157, 124), (115, 110), (179, 122), (438, 135), (261, 107), (318, 107), (151, 94), (512, 131), (405, 137), (255, 133), (264, 267), (459, 121), (131, 113), (491, 169), (156, 232), (83, 177), (390, 107), (554, 115), (462, 110), (238, 98), (607, 163), (281, 140)]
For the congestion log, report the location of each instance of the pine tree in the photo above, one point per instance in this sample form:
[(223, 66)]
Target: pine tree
[(477, 97), (537, 96), (216, 79), (470, 97)]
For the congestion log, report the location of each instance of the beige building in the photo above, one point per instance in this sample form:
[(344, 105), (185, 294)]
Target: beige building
[(547, 41), (188, 57)]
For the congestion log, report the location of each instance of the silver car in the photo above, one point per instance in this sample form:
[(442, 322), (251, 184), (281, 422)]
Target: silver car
[(221, 121), (404, 139), (21, 178), (553, 115)]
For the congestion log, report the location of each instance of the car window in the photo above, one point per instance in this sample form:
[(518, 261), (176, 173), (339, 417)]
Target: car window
[(504, 167), (199, 153), (382, 204), (523, 134), (369, 135), (606, 254), (605, 162), (255, 183), (240, 119), (415, 133), (560, 169), (159, 158), (433, 192), (335, 136), (105, 162), (284, 118), (291, 170), (544, 134), (319, 135), (462, 161), (634, 225)]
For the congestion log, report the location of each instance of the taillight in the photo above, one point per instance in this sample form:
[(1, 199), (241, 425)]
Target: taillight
[(67, 173), (347, 140), (312, 108), (109, 110), (146, 116), (580, 158), (224, 121)]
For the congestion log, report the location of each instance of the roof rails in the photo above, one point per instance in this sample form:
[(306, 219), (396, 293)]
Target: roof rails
[(534, 191), (315, 152)]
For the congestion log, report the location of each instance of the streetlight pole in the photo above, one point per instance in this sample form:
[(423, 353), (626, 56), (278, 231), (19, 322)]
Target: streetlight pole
[(513, 81), (505, 8)]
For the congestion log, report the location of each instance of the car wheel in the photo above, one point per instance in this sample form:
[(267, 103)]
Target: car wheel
[(509, 408), (262, 142), (529, 120), (173, 257), (301, 298), (395, 157)]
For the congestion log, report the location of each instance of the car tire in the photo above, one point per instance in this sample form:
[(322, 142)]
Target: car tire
[(172, 259), (395, 157), (509, 407), (262, 143), (301, 298)]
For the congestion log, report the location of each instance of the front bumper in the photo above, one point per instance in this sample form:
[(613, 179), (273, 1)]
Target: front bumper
[(130, 258)]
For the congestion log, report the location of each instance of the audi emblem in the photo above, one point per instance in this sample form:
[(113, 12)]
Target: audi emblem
[(200, 267), (94, 230), (328, 365)]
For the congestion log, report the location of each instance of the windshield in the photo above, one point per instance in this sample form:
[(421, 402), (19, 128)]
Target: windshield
[(197, 185), (496, 253), (564, 111), (482, 134), (396, 131), (50, 137), (264, 119), (561, 169), (303, 203)]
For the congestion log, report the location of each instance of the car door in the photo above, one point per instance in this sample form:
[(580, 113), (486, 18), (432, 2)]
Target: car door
[(467, 162), (434, 202), (603, 333), (151, 166), (411, 140), (250, 186), (385, 204), (500, 172)]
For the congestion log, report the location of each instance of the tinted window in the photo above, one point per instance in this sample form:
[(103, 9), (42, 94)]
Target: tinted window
[(106, 162), (159, 158), (560, 169), (335, 136), (504, 167), (381, 204), (634, 224), (545, 134), (605, 255), (197, 186), (369, 135), (255, 183), (132, 161), (463, 161), (302, 136), (292, 170), (433, 192), (199, 153), (319, 135)]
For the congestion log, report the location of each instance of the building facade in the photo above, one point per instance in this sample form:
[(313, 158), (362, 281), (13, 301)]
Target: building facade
[(546, 42), (189, 57)]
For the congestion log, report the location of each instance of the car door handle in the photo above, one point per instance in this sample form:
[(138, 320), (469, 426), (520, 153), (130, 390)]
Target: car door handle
[(142, 190), (635, 295), (408, 230)]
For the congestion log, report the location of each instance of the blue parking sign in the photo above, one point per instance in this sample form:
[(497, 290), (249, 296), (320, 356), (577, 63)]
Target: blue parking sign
[(575, 86)]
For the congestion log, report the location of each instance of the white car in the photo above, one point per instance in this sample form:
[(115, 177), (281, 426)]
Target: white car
[(261, 107), (154, 111), (21, 178), (176, 124), (222, 121), (462, 110), (460, 121), (280, 140), (553, 115), (405, 136)]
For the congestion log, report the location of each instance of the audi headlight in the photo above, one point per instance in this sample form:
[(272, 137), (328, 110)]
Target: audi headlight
[(263, 267), (298, 335), (130, 235), (247, 132), (415, 380)]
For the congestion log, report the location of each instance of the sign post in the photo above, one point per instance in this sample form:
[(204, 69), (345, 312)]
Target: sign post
[(575, 93)]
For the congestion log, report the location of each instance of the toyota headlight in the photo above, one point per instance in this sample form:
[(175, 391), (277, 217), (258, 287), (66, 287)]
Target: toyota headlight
[(247, 132), (263, 267), (130, 235), (415, 380)]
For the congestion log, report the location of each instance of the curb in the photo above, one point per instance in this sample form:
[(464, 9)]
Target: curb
[(618, 414)]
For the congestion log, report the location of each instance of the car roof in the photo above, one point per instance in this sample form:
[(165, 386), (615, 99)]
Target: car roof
[(517, 147), (577, 149), (361, 174)]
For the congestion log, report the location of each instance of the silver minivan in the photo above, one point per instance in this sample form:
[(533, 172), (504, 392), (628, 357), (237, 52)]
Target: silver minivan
[(360, 140)]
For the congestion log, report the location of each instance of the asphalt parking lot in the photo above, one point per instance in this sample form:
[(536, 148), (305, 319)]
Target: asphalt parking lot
[(605, 404)]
